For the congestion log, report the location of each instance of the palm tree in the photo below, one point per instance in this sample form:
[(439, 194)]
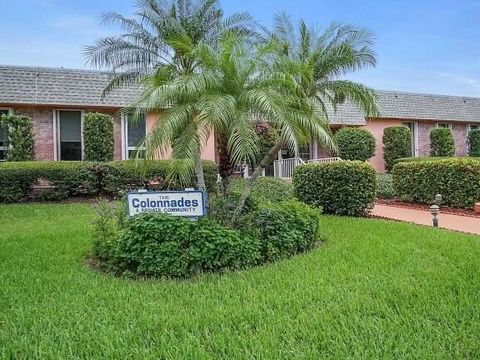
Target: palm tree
[(317, 62), (160, 38)]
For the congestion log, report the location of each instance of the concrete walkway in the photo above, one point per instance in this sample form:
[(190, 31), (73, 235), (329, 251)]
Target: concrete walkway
[(422, 217)]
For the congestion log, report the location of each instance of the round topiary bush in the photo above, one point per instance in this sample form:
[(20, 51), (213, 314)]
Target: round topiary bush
[(397, 143), (441, 142), (474, 143), (342, 188), (355, 143)]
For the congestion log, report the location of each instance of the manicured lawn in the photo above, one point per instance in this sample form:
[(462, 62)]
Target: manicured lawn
[(374, 290)]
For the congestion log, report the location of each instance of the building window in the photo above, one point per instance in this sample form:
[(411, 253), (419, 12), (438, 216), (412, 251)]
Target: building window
[(69, 130), (445, 125), (472, 127), (135, 130), (413, 136), (3, 137), (304, 151)]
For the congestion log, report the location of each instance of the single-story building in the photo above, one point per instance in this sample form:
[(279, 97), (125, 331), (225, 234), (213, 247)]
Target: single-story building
[(56, 99)]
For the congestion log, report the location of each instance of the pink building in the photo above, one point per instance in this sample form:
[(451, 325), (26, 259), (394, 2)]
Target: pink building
[(57, 99)]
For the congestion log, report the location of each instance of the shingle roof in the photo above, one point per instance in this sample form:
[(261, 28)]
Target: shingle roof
[(404, 105), (58, 86)]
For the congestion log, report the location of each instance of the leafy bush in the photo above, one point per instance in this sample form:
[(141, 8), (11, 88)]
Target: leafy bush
[(458, 180), (98, 137), (397, 143), (123, 175), (266, 189), (161, 245), (355, 143), (385, 186), (19, 134), (56, 180), (429, 158), (441, 142), (342, 188), (285, 229), (474, 142)]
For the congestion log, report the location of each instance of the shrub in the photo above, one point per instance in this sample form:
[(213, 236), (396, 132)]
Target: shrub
[(124, 175), (19, 134), (266, 189), (56, 180), (441, 142), (474, 143), (397, 143), (342, 188), (355, 143), (285, 229), (458, 180), (160, 245), (385, 186), (98, 137)]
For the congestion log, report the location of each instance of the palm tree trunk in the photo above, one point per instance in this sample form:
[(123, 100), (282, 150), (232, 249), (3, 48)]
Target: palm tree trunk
[(267, 160), (225, 168), (199, 171)]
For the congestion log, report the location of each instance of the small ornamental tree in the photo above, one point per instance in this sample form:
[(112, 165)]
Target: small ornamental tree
[(474, 143), (355, 144), (98, 137), (19, 137), (397, 143), (441, 142)]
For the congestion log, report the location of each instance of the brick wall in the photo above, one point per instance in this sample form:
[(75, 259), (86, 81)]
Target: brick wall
[(42, 119), (459, 134)]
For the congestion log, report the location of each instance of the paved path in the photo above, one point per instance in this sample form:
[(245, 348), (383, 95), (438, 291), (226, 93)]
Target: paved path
[(422, 217)]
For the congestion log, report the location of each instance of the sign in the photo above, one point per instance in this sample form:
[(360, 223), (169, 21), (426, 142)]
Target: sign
[(176, 203)]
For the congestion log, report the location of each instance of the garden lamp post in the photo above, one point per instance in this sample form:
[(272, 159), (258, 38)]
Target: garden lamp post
[(435, 209), (438, 199)]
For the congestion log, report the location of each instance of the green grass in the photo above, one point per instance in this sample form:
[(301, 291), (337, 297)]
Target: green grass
[(374, 290)]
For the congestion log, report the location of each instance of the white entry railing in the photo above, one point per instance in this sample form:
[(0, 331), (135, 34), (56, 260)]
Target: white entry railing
[(283, 168)]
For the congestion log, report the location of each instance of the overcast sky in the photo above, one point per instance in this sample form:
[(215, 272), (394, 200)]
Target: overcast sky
[(422, 45)]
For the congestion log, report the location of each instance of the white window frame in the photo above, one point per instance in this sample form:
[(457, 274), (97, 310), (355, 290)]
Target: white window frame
[(125, 148), (56, 132), (415, 142), (445, 125), (10, 112)]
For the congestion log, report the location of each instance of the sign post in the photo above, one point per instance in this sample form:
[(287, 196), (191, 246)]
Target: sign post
[(176, 203)]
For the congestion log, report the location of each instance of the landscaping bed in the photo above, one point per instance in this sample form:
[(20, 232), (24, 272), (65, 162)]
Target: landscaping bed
[(375, 289)]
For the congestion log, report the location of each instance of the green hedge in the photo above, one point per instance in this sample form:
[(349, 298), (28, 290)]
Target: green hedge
[(355, 143), (53, 180), (441, 142), (457, 180), (385, 186), (19, 134), (397, 143), (474, 143), (58, 180), (342, 188), (266, 189), (98, 137)]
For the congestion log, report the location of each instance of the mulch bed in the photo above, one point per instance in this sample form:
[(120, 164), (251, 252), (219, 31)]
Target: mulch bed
[(415, 206)]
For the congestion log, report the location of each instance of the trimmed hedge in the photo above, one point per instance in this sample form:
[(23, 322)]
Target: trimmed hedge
[(458, 180), (19, 131), (441, 142), (266, 189), (342, 188), (385, 186), (474, 142), (98, 137), (54, 180), (59, 180), (355, 143), (397, 143)]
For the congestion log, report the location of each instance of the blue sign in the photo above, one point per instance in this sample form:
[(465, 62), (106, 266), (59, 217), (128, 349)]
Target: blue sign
[(176, 203)]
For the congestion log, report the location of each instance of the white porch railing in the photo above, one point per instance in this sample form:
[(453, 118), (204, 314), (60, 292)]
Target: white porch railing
[(283, 168)]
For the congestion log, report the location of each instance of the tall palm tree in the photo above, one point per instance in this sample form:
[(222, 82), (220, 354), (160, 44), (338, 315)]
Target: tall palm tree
[(159, 38), (317, 62)]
